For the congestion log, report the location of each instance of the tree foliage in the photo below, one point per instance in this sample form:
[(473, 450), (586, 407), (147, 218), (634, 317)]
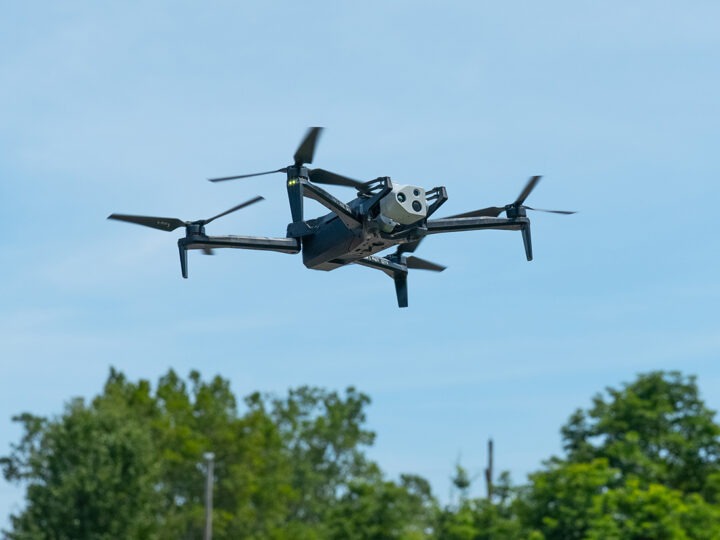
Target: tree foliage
[(656, 429), (642, 462), (89, 475), (636, 512), (129, 463), (560, 501), (376, 509)]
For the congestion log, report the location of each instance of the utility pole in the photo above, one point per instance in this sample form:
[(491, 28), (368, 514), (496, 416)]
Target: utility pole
[(209, 472), (489, 470)]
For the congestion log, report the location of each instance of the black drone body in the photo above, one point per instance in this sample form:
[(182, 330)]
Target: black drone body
[(382, 216)]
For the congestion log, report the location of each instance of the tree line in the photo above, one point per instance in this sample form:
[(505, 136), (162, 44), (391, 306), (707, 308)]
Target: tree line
[(642, 462)]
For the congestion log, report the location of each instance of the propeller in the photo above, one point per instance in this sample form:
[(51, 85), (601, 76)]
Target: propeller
[(304, 154), (191, 227), (495, 211), (408, 247), (170, 224), (306, 150), (414, 262), (321, 176), (421, 264)]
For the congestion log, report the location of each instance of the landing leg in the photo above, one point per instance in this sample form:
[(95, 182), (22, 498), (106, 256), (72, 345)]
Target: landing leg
[(527, 241), (401, 288), (183, 258)]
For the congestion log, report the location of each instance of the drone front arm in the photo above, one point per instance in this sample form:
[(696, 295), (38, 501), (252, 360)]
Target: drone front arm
[(479, 223), (435, 226), (343, 211), (282, 245)]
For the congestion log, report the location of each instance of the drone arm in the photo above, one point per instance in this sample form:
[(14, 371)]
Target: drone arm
[(343, 211), (521, 224), (282, 245), (382, 264), (436, 226)]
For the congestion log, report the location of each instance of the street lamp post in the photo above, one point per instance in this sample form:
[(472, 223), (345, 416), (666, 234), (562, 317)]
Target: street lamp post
[(209, 471)]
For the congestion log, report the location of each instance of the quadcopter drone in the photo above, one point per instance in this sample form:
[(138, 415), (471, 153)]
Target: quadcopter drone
[(382, 215)]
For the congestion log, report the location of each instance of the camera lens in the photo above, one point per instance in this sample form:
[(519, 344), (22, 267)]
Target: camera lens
[(417, 206), (416, 192), (401, 197)]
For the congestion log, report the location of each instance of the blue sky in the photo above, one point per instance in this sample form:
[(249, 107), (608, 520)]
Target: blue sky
[(129, 106)]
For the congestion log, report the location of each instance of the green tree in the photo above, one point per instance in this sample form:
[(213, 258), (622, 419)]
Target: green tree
[(633, 512), (559, 501), (323, 432), (91, 474), (252, 492), (641, 463), (377, 509), (481, 518), (129, 463), (656, 429)]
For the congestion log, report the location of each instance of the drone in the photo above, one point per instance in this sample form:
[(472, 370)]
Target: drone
[(384, 214)]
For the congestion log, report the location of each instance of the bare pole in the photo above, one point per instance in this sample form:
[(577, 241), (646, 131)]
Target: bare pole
[(209, 476), (489, 470)]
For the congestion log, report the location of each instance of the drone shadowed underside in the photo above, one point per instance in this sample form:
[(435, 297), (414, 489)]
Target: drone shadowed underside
[(382, 215)]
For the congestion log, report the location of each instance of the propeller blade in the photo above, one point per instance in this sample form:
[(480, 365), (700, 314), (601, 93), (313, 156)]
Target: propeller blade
[(491, 211), (306, 150), (162, 223), (422, 264), (495, 211), (408, 248), (234, 209), (284, 169), (528, 189), (564, 212), (321, 176)]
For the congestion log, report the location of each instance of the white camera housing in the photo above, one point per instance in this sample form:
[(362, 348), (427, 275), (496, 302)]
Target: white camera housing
[(403, 205)]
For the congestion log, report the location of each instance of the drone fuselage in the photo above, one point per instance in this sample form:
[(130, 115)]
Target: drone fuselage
[(386, 215), (334, 245)]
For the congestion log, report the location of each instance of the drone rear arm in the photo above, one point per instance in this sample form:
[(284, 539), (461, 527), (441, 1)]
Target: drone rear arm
[(381, 263), (282, 245)]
